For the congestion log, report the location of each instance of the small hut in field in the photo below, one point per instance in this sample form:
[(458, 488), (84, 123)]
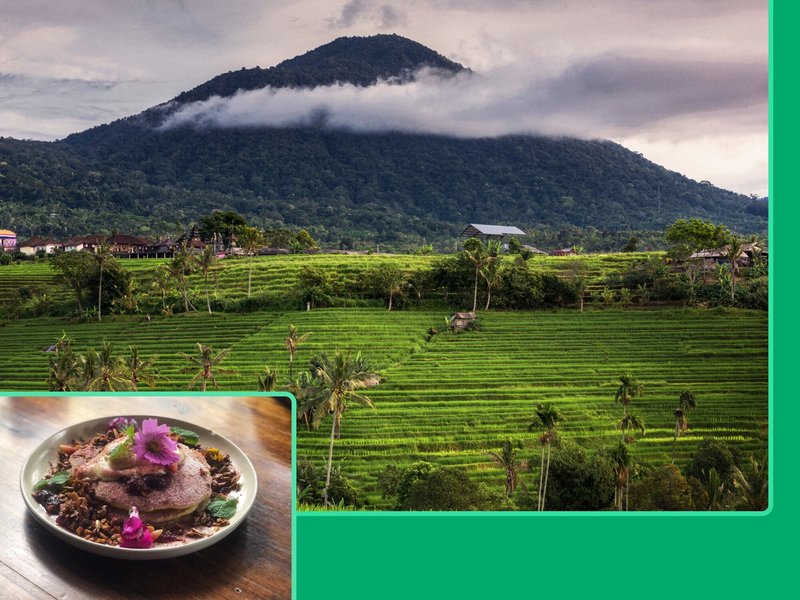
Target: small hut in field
[(462, 320)]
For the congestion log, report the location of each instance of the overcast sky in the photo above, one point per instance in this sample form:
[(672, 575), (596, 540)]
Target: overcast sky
[(682, 81)]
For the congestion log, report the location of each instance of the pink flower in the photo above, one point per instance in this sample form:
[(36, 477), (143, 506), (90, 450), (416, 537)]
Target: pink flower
[(152, 443), (135, 533), (122, 423)]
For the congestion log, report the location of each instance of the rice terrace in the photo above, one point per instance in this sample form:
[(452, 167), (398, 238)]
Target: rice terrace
[(615, 387)]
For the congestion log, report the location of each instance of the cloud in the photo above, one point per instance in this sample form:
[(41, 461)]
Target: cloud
[(384, 15), (606, 97)]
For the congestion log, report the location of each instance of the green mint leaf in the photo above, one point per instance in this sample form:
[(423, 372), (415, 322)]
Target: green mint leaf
[(222, 508), (190, 438), (121, 452), (55, 482)]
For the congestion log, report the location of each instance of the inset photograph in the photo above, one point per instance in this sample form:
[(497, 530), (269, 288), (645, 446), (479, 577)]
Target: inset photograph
[(169, 496)]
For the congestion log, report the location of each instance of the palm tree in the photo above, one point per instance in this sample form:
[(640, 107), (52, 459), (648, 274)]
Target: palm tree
[(140, 370), (620, 464), (205, 261), (507, 460), (547, 416), (89, 368), (208, 365), (490, 270), (162, 284), (103, 257), (250, 239), (732, 253), (754, 485), (715, 488), (180, 267), (110, 374), (686, 402), (63, 370), (291, 342), (267, 379), (475, 252), (336, 384), (627, 425), (628, 388)]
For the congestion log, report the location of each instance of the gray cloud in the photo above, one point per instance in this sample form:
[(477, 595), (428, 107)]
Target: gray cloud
[(354, 11), (613, 95)]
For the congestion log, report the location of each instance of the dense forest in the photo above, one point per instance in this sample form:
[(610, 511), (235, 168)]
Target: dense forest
[(393, 189)]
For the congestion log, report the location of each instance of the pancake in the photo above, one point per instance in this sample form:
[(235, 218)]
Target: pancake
[(186, 490)]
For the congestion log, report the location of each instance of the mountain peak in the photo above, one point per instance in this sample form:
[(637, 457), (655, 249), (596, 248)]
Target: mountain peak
[(357, 60)]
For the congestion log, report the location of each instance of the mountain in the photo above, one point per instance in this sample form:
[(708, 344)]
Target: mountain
[(391, 188)]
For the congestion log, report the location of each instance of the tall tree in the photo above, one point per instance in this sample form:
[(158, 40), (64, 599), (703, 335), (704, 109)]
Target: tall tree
[(388, 279), (205, 261), (621, 464), (292, 342), (337, 380), (103, 257), (628, 389), (74, 270), (162, 285), (628, 424), (180, 268), (250, 240), (686, 402), (205, 364), (490, 269), (506, 459), (475, 252), (733, 252), (548, 417)]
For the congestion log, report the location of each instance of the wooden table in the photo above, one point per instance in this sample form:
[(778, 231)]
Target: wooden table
[(252, 562)]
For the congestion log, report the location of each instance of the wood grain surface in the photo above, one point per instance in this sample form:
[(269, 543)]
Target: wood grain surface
[(252, 562)]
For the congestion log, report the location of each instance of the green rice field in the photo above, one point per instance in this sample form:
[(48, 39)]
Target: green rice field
[(453, 399)]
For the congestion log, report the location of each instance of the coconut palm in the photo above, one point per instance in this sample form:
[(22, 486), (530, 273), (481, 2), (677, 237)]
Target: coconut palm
[(110, 373), (205, 262), (103, 257), (291, 342), (180, 268), (475, 252), (686, 402), (753, 485), (629, 423), (267, 379), (250, 239), (548, 417), (490, 270), (162, 285), (336, 383), (620, 464), (140, 370), (507, 460), (208, 364), (628, 389), (88, 368), (732, 254)]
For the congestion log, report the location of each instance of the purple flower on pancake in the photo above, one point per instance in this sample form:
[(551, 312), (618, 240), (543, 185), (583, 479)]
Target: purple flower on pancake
[(135, 533), (122, 423), (153, 444)]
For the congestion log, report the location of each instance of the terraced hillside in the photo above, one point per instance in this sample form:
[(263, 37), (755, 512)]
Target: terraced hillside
[(466, 393), (274, 276)]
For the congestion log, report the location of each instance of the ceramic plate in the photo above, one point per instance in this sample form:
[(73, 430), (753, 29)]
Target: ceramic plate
[(38, 466)]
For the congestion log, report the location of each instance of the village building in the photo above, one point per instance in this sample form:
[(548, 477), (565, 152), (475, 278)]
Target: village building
[(8, 240), (563, 252), (36, 244), (715, 256), (533, 249), (491, 232)]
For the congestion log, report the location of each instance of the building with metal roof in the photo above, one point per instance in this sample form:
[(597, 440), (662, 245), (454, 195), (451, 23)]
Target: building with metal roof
[(489, 232)]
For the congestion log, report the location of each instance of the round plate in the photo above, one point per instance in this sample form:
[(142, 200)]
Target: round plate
[(38, 465)]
